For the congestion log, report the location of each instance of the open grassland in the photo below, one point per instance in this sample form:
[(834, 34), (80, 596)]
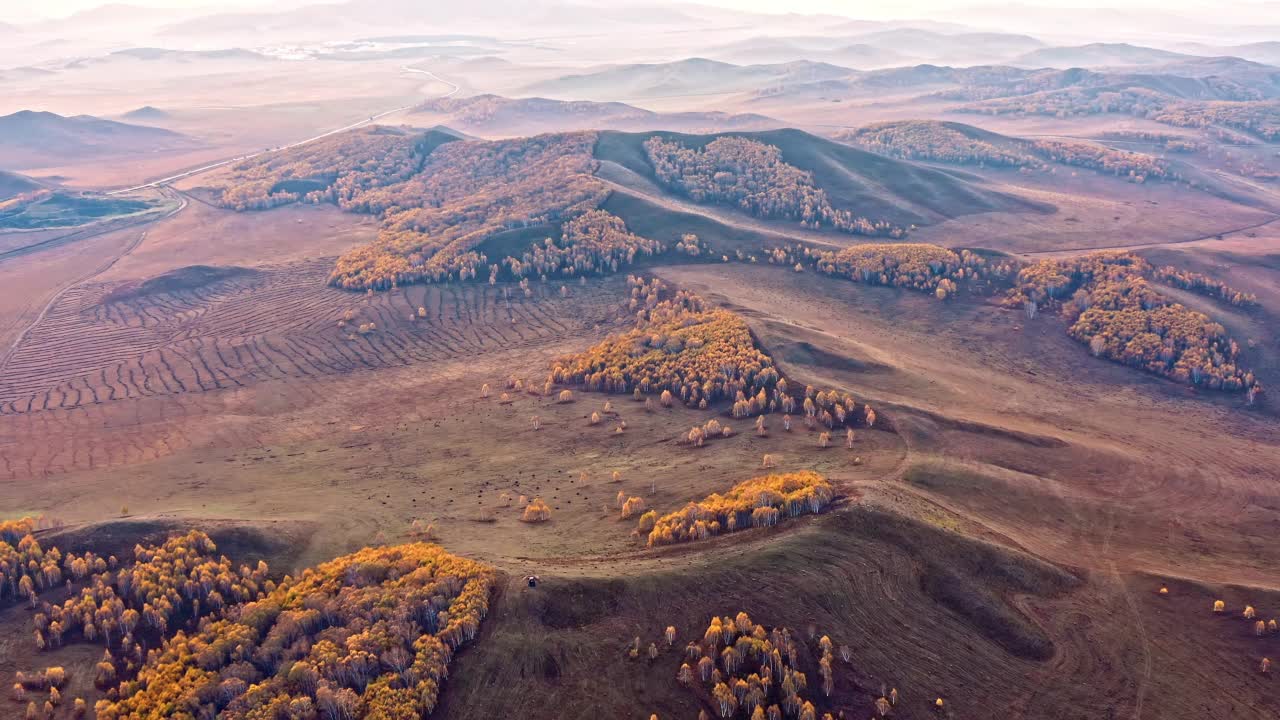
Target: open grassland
[(977, 383), (994, 429), (997, 538)]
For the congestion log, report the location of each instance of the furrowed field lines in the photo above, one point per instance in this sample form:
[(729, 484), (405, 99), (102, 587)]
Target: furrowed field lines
[(274, 323)]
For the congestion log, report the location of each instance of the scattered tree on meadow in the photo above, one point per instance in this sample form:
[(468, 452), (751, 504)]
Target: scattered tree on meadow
[(631, 506), (536, 512)]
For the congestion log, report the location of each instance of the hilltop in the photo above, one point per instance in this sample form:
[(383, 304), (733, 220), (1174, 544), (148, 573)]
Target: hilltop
[(146, 113)]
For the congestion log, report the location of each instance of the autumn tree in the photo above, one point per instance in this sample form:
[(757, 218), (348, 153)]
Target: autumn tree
[(758, 502), (536, 512)]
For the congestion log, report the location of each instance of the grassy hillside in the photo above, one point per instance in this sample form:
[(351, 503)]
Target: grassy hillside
[(938, 606), (877, 186)]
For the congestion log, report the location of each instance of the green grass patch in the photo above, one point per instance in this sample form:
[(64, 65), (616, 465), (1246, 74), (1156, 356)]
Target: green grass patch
[(68, 210)]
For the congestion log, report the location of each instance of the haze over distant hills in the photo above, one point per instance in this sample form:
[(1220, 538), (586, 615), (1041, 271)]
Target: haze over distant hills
[(1262, 52), (146, 114), (1232, 22), (369, 15), (29, 138), (1189, 77), (836, 51), (496, 116), (965, 48), (1097, 55), (683, 77)]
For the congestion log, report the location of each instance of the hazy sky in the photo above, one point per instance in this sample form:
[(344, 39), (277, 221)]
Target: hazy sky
[(15, 10)]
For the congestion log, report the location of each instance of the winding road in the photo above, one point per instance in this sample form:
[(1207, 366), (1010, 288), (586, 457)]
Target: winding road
[(435, 77)]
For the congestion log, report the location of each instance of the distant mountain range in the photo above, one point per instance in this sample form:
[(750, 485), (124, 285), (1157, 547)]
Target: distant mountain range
[(693, 76), (835, 51), (1179, 76), (966, 48), (1097, 55), (1267, 53), (495, 116), (892, 47)]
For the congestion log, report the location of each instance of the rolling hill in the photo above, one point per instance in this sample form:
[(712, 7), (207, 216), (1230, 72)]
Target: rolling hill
[(479, 200), (494, 116), (960, 144), (1264, 80), (30, 139), (685, 77), (939, 141), (965, 48), (920, 79), (1267, 52), (1097, 55), (875, 186), (1191, 78), (146, 114), (13, 184), (836, 51)]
